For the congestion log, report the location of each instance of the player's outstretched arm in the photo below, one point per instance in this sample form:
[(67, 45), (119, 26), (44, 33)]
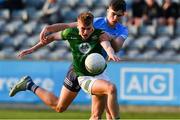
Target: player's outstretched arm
[(105, 43), (110, 51), (30, 50), (40, 44)]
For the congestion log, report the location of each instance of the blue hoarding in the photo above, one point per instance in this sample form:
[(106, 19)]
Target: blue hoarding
[(137, 83), (49, 75)]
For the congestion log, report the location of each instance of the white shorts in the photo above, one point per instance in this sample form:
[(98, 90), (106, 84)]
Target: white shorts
[(86, 82)]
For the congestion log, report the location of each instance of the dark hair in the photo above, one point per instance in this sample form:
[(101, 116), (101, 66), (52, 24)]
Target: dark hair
[(117, 5), (86, 18)]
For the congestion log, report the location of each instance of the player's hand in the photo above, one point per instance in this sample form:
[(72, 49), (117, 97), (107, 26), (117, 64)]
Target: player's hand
[(24, 52), (43, 35), (114, 58)]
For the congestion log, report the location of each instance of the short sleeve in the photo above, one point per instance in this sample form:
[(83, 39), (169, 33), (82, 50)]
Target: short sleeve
[(124, 33), (65, 34)]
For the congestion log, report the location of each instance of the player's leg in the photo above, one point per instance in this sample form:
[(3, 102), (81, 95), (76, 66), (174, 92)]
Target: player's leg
[(68, 93), (97, 107), (47, 97), (58, 104), (98, 86), (104, 87), (99, 103), (65, 99), (108, 114)]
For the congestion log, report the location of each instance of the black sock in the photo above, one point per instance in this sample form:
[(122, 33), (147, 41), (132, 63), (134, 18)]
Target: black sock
[(118, 118), (32, 86)]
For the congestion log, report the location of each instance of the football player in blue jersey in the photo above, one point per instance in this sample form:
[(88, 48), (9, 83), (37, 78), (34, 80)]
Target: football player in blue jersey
[(109, 24)]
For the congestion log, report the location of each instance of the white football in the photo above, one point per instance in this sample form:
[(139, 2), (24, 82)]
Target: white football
[(95, 63)]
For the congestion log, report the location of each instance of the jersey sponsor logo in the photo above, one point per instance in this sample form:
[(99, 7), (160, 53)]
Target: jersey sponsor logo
[(84, 48), (73, 38), (147, 84), (124, 37), (94, 37)]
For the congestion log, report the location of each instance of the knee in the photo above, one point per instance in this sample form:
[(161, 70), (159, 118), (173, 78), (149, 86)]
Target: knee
[(60, 109), (111, 89)]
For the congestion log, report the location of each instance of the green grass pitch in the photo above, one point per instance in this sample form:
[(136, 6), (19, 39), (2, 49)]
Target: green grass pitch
[(69, 114)]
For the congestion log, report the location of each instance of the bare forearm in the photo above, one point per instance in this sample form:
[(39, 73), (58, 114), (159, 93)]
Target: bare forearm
[(60, 26), (32, 49), (42, 44), (107, 47), (37, 46), (56, 27), (110, 51)]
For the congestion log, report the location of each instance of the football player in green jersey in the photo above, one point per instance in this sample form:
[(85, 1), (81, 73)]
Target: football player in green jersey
[(111, 25), (71, 88), (83, 41)]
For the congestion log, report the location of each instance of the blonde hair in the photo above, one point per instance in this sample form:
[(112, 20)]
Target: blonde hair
[(86, 18)]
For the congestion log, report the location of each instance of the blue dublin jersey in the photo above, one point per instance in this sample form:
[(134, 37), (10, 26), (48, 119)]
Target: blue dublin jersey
[(118, 31)]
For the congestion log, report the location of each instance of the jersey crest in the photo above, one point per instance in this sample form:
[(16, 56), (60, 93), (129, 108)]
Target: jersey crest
[(84, 48)]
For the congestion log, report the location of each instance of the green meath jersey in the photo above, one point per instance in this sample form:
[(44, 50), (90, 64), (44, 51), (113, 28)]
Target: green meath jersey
[(80, 48)]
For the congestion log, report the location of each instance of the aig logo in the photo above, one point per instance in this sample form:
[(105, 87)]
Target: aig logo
[(146, 84)]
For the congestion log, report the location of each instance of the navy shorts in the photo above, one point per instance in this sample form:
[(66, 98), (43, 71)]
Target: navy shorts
[(71, 80)]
